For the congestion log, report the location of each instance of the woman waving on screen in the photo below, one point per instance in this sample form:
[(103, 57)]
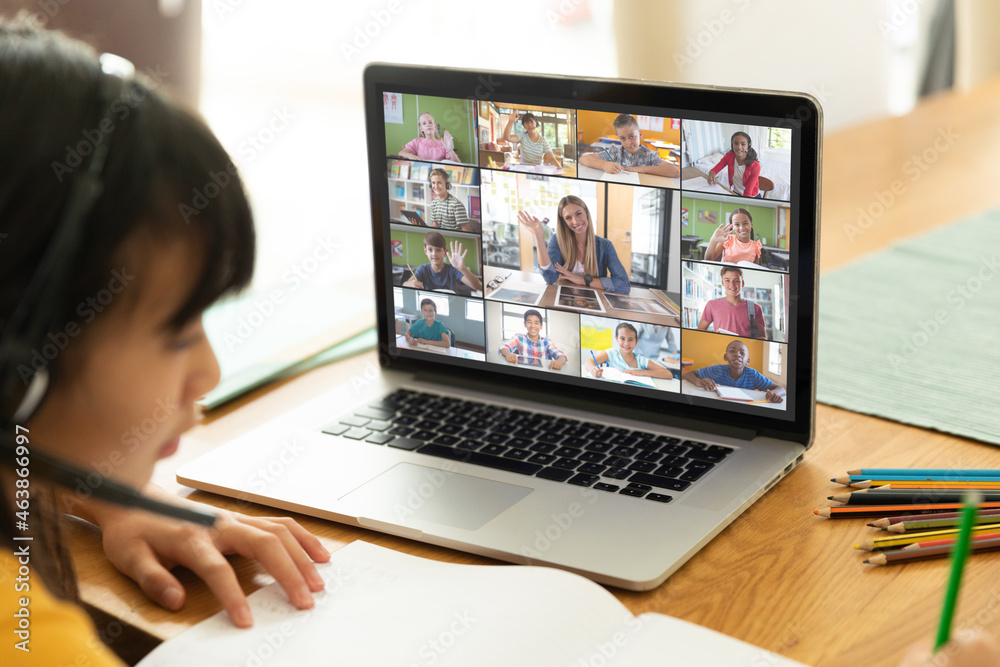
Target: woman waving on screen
[(574, 253)]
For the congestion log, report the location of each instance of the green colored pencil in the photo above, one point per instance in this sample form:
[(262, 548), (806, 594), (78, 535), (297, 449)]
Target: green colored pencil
[(959, 556)]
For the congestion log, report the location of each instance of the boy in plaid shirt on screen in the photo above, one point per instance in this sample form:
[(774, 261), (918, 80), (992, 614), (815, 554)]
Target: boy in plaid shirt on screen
[(530, 348)]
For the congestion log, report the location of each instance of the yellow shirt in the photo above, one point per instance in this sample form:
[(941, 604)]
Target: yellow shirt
[(37, 628)]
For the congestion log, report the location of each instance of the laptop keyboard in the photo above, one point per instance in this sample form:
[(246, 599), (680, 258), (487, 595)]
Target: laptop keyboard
[(607, 458)]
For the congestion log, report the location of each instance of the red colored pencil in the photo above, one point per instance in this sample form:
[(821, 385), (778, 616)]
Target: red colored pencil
[(861, 511)]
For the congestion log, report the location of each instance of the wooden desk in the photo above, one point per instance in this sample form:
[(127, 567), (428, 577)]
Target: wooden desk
[(778, 577)]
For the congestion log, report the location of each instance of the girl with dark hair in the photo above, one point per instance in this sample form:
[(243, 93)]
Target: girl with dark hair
[(535, 148), (734, 241), (122, 219), (623, 357), (574, 253), (741, 165)]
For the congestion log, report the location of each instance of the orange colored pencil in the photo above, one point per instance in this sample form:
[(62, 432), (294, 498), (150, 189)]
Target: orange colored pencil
[(913, 484)]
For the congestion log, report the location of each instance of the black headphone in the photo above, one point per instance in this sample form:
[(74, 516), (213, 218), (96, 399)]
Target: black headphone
[(22, 386), (442, 172)]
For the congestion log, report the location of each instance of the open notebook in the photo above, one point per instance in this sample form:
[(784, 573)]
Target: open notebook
[(382, 607)]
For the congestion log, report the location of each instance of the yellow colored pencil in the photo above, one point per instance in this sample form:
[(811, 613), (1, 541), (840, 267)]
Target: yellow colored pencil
[(879, 543)]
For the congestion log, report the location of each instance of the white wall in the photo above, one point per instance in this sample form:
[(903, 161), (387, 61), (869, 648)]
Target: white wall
[(859, 58)]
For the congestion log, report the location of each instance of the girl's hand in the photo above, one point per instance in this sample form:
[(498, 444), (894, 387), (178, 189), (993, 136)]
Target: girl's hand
[(145, 547), (531, 223), (711, 178), (630, 371), (965, 649), (449, 140), (512, 116), (597, 371), (456, 255), (721, 233)]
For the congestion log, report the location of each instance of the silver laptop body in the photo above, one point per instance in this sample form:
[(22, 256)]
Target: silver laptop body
[(607, 535)]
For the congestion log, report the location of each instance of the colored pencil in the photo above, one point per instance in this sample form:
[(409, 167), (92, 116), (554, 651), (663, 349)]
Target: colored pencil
[(946, 541), (904, 555), (964, 486), (888, 479), (937, 523), (861, 511), (888, 521), (896, 541), (960, 555), (948, 472), (905, 497)]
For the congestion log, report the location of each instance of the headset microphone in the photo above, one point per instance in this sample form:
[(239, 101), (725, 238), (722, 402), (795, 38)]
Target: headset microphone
[(70, 476)]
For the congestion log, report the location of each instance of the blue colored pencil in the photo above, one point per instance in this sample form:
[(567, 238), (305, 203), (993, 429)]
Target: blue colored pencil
[(912, 478)]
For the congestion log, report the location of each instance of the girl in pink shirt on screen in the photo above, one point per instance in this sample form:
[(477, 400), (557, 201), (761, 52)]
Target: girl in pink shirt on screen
[(734, 241), (429, 145)]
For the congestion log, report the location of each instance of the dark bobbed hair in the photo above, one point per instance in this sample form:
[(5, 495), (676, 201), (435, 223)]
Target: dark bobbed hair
[(160, 160), (751, 153), (162, 169), (528, 116)]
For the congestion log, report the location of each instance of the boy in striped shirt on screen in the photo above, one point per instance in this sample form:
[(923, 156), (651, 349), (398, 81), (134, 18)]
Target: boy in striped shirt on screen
[(531, 348), (446, 212), (535, 148)]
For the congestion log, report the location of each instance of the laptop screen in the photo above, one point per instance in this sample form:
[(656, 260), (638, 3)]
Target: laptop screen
[(626, 239)]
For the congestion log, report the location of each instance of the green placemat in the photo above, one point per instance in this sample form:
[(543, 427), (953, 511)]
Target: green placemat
[(912, 333)]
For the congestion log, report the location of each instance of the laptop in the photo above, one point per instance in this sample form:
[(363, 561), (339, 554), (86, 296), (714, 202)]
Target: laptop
[(566, 416)]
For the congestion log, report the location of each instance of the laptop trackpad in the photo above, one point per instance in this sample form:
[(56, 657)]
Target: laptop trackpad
[(408, 492)]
